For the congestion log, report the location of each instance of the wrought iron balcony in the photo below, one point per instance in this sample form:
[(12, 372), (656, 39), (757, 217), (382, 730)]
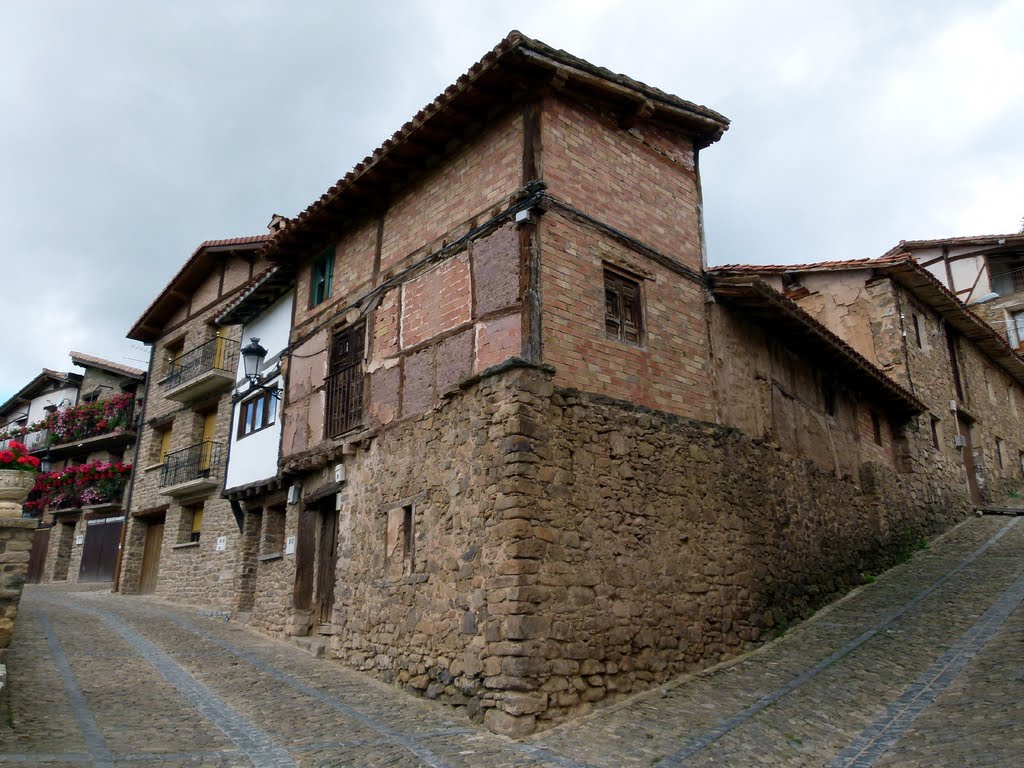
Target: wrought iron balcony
[(194, 470), (208, 368), (1011, 281)]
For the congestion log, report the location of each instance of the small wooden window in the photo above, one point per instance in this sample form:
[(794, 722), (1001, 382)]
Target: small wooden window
[(829, 396), (1020, 458), (161, 444), (999, 452), (191, 523), (917, 330), (323, 277), (876, 428), (256, 413), (935, 433), (173, 352), (623, 312), (345, 380)]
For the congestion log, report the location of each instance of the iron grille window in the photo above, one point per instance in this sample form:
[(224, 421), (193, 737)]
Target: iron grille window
[(323, 276), (345, 380), (623, 314)]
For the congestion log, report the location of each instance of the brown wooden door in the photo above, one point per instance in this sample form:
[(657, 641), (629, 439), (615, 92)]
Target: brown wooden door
[(305, 552), (968, 452), (37, 557), (99, 553), (326, 562), (151, 557)]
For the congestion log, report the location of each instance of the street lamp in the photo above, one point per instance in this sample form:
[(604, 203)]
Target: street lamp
[(253, 355)]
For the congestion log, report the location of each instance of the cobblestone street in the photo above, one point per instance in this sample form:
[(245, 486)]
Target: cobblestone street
[(923, 667)]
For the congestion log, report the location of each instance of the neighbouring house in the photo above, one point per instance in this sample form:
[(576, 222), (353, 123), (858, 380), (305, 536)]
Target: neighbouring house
[(532, 455), (985, 272), (253, 482), (897, 314), (182, 538), (85, 438), (24, 414)]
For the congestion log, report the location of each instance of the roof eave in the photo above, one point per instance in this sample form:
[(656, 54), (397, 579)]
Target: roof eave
[(525, 63), (754, 295)]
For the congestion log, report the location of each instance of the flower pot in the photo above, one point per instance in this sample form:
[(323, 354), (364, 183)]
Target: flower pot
[(14, 489)]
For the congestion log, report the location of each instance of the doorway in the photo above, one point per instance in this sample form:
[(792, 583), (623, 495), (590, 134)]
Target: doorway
[(316, 560), (151, 556), (37, 556), (964, 427), (99, 553), (326, 562)]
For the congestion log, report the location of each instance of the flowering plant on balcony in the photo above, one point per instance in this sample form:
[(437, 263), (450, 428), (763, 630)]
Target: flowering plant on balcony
[(36, 426), (92, 419), (98, 482), (15, 456)]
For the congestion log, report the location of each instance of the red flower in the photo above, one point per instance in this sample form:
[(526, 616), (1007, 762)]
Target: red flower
[(6, 457)]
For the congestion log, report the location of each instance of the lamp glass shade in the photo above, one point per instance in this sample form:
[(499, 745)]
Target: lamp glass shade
[(252, 358)]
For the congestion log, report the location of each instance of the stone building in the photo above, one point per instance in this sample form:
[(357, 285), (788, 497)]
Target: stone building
[(985, 272), (83, 428), (899, 316), (182, 538), (535, 457)]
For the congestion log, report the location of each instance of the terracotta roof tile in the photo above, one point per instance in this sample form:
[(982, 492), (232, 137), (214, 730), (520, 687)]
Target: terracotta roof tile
[(142, 330), (711, 124), (84, 360), (799, 328), (905, 270)]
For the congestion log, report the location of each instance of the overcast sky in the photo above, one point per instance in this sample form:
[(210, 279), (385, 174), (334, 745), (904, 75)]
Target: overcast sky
[(131, 131)]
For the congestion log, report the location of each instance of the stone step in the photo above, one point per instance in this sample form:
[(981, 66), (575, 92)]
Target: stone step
[(315, 646), (325, 629)]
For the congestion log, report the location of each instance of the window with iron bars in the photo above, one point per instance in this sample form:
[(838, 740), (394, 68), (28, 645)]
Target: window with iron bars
[(345, 380)]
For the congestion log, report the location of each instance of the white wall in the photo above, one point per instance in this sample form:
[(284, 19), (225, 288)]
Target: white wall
[(254, 457), (36, 409)]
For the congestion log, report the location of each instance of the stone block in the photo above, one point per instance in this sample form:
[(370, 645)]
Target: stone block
[(516, 727)]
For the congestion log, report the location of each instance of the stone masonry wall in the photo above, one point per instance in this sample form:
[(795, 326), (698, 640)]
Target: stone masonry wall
[(189, 572), (569, 548), (433, 619), (15, 545), (877, 317), (650, 545)]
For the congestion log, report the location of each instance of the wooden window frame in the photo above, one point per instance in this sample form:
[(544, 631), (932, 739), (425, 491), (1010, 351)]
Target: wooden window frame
[(1016, 322), (917, 329), (269, 414), (321, 278), (191, 532), (830, 397), (935, 433), (876, 427), (623, 307)]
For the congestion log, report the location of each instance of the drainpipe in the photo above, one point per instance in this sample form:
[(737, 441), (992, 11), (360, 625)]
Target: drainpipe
[(126, 503)]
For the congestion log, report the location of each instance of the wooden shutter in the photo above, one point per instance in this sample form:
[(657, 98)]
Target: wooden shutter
[(623, 313), (165, 444)]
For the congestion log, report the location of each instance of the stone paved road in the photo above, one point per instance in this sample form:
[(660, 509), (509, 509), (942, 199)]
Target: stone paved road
[(924, 667)]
